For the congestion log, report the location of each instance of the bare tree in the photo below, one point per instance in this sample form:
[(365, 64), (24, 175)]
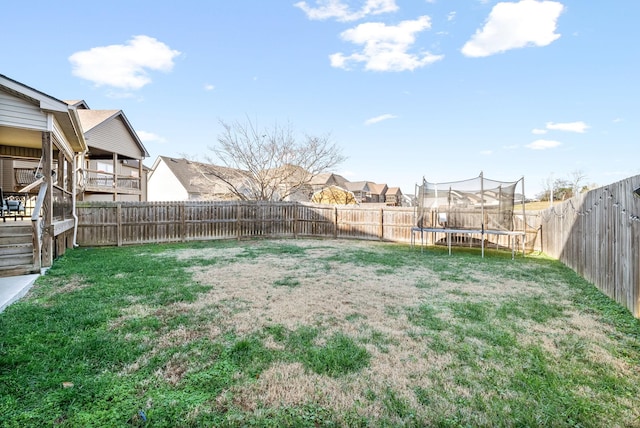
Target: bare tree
[(547, 189), (272, 163), (561, 189), (577, 177)]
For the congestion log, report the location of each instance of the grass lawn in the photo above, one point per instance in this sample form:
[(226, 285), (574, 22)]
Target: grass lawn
[(315, 333)]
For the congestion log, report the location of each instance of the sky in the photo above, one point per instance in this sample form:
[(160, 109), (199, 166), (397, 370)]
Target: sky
[(408, 90)]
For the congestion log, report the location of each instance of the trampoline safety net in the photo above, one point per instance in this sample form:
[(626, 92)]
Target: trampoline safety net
[(478, 203)]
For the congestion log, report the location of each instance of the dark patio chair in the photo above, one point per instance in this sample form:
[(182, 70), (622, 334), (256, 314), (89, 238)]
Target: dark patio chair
[(15, 206)]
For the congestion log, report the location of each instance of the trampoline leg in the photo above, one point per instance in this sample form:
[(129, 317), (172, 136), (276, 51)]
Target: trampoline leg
[(513, 247)]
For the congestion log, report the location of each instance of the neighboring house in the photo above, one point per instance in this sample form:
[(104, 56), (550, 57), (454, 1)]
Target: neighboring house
[(367, 192), (360, 189), (113, 168), (393, 197), (378, 193), (179, 179), (41, 145)]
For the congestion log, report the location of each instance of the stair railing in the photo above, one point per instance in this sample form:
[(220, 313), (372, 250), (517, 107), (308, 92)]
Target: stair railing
[(37, 226)]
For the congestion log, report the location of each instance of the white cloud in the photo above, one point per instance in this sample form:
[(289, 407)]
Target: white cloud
[(327, 9), (538, 131), (148, 137), (379, 119), (123, 66), (209, 87), (515, 25), (486, 152), (451, 16), (579, 127), (543, 144), (385, 48)]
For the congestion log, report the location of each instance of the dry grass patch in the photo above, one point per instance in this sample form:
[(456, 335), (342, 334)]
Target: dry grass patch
[(329, 290)]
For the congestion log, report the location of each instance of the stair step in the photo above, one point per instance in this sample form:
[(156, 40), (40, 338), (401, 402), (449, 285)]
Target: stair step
[(8, 250), (10, 241), (18, 270), (17, 229), (16, 259)]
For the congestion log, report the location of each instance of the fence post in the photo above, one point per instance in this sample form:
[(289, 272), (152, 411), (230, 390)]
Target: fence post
[(183, 221), (238, 221), (119, 224), (295, 219), (381, 232), (335, 222)]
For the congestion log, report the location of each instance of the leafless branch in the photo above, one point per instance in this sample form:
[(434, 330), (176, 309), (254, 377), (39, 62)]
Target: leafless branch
[(272, 162)]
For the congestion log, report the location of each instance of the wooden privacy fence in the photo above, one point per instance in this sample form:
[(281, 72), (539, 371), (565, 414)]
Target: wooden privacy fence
[(597, 234), (124, 223)]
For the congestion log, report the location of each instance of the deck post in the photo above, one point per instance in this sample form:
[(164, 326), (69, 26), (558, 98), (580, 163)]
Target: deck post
[(47, 208)]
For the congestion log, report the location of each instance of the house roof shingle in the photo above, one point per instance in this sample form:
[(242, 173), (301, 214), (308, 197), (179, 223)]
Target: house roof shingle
[(199, 178)]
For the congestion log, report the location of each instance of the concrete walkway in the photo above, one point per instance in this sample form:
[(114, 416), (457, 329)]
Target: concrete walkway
[(13, 288)]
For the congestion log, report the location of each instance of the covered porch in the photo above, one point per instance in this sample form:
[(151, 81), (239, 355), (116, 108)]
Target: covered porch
[(41, 144)]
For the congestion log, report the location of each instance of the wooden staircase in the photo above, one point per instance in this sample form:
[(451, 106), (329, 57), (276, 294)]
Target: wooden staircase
[(16, 249)]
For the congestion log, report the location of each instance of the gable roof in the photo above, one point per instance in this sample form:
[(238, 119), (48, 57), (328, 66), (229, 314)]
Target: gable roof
[(378, 189), (367, 186), (358, 186), (328, 179), (394, 191), (197, 177), (92, 119)]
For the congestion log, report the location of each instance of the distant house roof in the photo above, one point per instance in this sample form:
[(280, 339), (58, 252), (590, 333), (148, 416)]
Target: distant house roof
[(367, 187), (394, 191), (201, 178), (378, 189), (328, 179), (358, 186)]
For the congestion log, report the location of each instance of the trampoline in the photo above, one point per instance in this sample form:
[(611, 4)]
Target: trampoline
[(467, 209)]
